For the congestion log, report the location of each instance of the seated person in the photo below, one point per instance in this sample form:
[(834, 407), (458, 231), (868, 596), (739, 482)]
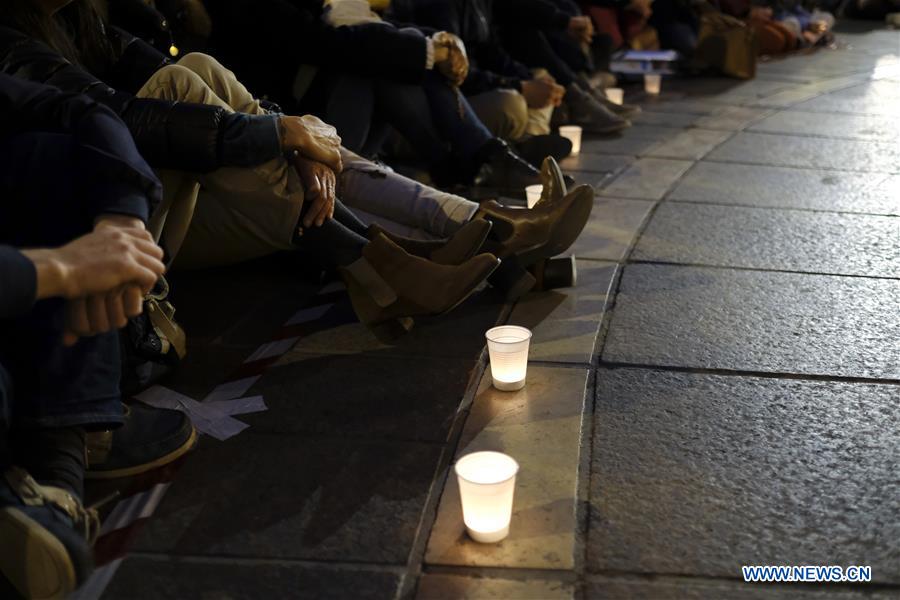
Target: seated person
[(75, 262), (363, 77), (501, 87), (281, 202)]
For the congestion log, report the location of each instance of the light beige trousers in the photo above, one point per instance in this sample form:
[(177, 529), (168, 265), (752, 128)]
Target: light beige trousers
[(231, 214)]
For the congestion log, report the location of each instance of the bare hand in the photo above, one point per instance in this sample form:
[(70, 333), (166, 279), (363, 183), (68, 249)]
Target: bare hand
[(312, 139), (451, 59), (542, 92), (319, 183), (98, 263), (100, 313), (582, 29)]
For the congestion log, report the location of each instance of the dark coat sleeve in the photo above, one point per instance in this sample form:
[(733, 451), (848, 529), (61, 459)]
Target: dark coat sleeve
[(263, 30), (189, 137), (114, 175), (18, 283)]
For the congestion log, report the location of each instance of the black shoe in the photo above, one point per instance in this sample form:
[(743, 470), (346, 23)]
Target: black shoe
[(504, 170), (150, 438), (538, 147), (46, 535)]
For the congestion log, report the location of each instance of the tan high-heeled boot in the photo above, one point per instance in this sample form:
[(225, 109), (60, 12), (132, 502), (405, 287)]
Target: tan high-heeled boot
[(388, 286), (456, 250)]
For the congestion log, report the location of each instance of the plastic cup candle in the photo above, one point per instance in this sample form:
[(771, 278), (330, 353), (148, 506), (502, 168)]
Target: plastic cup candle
[(533, 194), (652, 83), (573, 134), (508, 349), (487, 481), (615, 95)]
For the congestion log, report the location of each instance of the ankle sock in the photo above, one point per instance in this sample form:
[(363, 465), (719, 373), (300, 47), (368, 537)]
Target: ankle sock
[(54, 457)]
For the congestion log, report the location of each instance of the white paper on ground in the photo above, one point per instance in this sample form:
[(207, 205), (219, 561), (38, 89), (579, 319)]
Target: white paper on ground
[(239, 406), (207, 419), (232, 389)]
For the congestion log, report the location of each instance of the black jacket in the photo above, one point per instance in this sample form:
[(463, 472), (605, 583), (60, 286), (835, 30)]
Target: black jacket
[(189, 137), (490, 66), (113, 178), (266, 42)]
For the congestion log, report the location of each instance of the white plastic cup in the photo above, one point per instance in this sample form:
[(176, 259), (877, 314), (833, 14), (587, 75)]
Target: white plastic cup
[(533, 194), (508, 349), (652, 83), (615, 95), (487, 482), (573, 134)]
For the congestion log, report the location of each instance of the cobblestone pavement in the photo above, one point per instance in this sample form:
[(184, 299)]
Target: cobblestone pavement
[(720, 389)]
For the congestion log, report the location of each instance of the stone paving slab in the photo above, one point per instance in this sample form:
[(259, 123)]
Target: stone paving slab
[(365, 396), (660, 117), (647, 178), (871, 97), (756, 321), (151, 578), (540, 427), (790, 188), (732, 118), (808, 152), (761, 238), (295, 497), (691, 144), (860, 127), (590, 165), (613, 225), (689, 589), (565, 322), (457, 587), (634, 141), (700, 474)]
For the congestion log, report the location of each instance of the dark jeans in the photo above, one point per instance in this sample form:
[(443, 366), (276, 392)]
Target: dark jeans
[(435, 119), (531, 46), (54, 386), (676, 26)]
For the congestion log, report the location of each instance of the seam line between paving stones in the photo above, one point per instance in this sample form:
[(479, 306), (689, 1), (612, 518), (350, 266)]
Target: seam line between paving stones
[(590, 404), (778, 207), (409, 581), (611, 365), (724, 161), (758, 269)]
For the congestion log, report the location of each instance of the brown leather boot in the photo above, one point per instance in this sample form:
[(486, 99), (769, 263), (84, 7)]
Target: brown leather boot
[(388, 286), (456, 250), (541, 232), (553, 180)]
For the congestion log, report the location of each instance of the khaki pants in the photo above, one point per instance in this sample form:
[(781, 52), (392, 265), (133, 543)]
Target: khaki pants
[(234, 214), (506, 115)]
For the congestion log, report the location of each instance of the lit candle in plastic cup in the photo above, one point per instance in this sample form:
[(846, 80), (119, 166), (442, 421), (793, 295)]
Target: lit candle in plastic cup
[(487, 482), (652, 83), (508, 349), (573, 134), (615, 95), (533, 194)]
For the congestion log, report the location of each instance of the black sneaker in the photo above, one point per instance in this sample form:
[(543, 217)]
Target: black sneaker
[(45, 538), (538, 147), (150, 438)]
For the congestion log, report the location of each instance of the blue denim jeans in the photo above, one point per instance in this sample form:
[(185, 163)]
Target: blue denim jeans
[(53, 385)]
